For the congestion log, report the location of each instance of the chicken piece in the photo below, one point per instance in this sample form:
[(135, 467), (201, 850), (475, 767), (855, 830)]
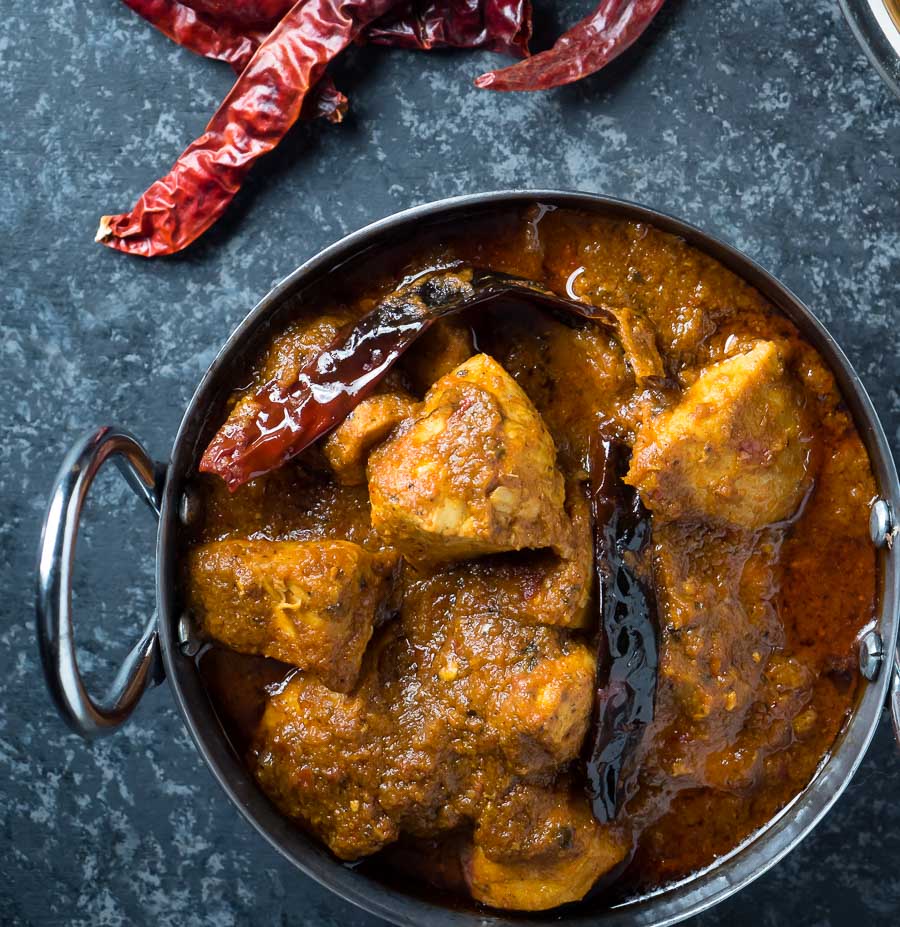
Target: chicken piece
[(524, 692), (308, 603), (536, 587), (541, 587), (446, 345), (347, 447), (450, 710), (717, 603), (537, 848), (474, 472), (734, 450), (540, 716), (717, 717), (316, 759), (773, 723)]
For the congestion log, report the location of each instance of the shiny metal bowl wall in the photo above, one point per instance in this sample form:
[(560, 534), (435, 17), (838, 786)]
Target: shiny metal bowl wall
[(876, 25), (406, 906)]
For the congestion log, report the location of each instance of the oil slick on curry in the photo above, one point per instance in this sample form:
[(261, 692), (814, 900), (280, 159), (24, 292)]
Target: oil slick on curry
[(401, 619)]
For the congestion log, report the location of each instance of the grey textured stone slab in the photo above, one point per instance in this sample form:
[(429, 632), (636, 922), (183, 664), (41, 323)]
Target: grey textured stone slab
[(761, 122)]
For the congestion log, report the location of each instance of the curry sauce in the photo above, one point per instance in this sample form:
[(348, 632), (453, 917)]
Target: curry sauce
[(440, 733)]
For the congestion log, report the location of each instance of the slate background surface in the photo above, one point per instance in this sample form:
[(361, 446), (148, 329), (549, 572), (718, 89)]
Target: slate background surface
[(761, 122)]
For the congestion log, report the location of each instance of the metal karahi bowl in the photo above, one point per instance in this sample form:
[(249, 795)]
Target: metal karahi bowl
[(876, 25), (165, 648)]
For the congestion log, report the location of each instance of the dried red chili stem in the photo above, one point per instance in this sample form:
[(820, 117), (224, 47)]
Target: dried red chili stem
[(196, 32), (283, 419), (262, 106), (585, 48), (325, 101), (499, 25)]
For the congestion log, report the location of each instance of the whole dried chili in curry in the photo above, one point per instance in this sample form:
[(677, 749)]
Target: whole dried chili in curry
[(627, 638), (264, 103), (281, 419), (585, 48)]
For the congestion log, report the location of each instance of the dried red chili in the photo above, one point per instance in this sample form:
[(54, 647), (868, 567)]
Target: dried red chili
[(499, 25), (194, 31), (627, 631), (226, 43), (283, 419), (264, 103), (585, 48), (261, 13)]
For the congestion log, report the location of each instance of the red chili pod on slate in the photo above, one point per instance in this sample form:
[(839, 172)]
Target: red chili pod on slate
[(224, 42), (261, 13), (193, 30), (585, 48), (498, 25), (262, 106)]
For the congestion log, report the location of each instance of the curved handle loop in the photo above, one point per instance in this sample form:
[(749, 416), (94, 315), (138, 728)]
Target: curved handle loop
[(142, 667), (894, 695)]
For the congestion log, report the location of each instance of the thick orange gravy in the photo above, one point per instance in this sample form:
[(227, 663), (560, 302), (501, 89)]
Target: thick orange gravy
[(791, 598)]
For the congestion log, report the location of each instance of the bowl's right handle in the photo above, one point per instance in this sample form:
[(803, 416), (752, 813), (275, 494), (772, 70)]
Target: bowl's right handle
[(142, 667), (894, 695)]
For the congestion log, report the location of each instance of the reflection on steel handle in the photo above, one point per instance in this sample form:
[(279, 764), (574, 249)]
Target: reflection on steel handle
[(142, 666)]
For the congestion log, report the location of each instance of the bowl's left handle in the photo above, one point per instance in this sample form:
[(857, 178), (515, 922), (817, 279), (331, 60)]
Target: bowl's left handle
[(142, 667)]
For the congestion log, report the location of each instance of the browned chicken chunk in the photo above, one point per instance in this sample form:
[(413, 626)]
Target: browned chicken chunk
[(451, 710), (727, 698), (316, 759), (734, 449), (716, 648), (311, 604), (545, 709), (538, 848), (347, 447), (474, 472), (538, 587)]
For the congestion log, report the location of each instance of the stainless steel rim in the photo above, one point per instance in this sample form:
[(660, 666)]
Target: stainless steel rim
[(673, 904), (879, 36)]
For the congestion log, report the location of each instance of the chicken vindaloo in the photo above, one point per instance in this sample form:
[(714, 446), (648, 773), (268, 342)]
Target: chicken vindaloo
[(551, 607)]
